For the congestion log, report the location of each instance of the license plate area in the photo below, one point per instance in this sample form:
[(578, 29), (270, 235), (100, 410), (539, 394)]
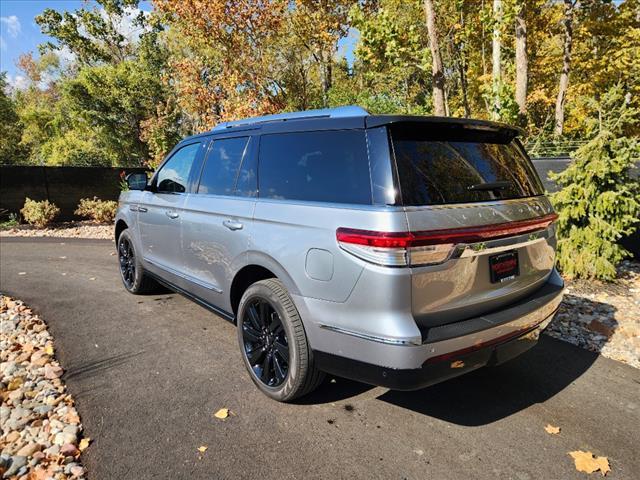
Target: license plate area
[(504, 266)]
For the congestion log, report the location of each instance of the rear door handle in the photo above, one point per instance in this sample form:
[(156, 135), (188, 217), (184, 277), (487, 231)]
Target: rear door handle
[(142, 209), (232, 225), (172, 214)]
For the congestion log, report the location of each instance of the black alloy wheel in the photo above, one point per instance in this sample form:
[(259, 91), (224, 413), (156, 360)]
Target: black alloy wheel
[(127, 262), (266, 346)]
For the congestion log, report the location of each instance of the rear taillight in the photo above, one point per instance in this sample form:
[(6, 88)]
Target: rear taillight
[(399, 249)]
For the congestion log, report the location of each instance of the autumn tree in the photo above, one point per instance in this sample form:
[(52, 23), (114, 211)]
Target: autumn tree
[(522, 60), (93, 35), (438, 79), (106, 97), (563, 85), (392, 68), (318, 25), (496, 58), (223, 57), (10, 128)]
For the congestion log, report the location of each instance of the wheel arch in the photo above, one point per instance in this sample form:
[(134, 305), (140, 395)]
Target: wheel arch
[(259, 267), (121, 226)]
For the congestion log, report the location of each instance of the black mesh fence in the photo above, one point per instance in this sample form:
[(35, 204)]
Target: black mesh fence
[(64, 186)]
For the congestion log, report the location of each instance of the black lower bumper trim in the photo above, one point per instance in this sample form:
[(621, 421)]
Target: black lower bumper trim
[(430, 373)]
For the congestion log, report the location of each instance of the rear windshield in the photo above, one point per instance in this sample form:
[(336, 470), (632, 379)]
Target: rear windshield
[(436, 168)]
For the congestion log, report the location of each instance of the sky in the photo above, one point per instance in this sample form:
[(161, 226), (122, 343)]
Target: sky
[(19, 33)]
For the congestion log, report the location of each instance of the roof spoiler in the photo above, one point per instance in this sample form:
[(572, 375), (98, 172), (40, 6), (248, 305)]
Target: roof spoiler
[(463, 123)]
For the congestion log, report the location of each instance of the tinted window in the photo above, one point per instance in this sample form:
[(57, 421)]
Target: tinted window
[(434, 171), (324, 166), (247, 183), (221, 168), (174, 175)]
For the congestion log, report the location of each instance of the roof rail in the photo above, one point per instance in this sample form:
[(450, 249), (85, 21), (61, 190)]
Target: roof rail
[(338, 112)]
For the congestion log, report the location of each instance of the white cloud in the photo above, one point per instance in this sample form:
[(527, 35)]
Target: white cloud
[(125, 26), (3, 44), (66, 56), (12, 24), (17, 82)]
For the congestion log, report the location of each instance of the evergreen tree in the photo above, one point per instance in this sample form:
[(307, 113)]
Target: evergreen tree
[(600, 198)]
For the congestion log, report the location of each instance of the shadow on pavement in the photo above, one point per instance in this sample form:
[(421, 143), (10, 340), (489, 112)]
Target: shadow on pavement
[(490, 394), (90, 369), (334, 389), (485, 395)]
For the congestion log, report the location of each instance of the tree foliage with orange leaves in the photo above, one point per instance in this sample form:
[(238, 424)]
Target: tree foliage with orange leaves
[(222, 60)]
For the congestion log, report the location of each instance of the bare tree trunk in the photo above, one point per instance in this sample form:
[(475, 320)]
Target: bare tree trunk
[(438, 72), (326, 73), (522, 61), (462, 69), (566, 66), (496, 45)]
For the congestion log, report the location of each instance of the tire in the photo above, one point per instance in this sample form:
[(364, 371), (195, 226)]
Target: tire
[(262, 339), (131, 272)]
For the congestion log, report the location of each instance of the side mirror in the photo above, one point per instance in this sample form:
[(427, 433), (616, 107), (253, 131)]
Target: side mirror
[(137, 181)]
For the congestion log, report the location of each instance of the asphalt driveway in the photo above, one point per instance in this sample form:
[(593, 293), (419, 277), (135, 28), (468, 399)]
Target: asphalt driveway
[(149, 372)]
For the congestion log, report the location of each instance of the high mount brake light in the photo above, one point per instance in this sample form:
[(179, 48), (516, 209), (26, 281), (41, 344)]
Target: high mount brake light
[(429, 247)]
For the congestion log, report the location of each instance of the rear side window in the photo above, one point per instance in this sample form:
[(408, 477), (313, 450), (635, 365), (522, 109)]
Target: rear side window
[(459, 168), (321, 166), (221, 168)]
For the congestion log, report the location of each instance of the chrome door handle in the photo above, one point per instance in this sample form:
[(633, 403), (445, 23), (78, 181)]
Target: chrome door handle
[(232, 225), (142, 209), (172, 214)]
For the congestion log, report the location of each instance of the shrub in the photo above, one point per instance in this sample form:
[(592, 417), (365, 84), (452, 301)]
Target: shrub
[(599, 201), (39, 214), (11, 221), (100, 211)]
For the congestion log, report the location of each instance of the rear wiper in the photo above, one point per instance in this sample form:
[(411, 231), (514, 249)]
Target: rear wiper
[(490, 186)]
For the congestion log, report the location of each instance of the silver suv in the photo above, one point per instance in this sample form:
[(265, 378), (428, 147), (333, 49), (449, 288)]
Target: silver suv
[(398, 251)]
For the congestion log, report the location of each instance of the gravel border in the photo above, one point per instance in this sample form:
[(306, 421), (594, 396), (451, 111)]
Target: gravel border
[(62, 230), (603, 317), (40, 426)]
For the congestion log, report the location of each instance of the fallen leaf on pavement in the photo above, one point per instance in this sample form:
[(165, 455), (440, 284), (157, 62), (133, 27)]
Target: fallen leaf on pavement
[(550, 429), (48, 349), (222, 413), (601, 328), (84, 444), (588, 463), (202, 449)]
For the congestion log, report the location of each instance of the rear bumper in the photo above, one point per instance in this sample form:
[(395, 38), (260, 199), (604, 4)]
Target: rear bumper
[(477, 337), (435, 369)]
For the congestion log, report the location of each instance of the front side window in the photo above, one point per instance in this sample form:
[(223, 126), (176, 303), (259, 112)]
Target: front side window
[(221, 168), (322, 166), (174, 174)]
